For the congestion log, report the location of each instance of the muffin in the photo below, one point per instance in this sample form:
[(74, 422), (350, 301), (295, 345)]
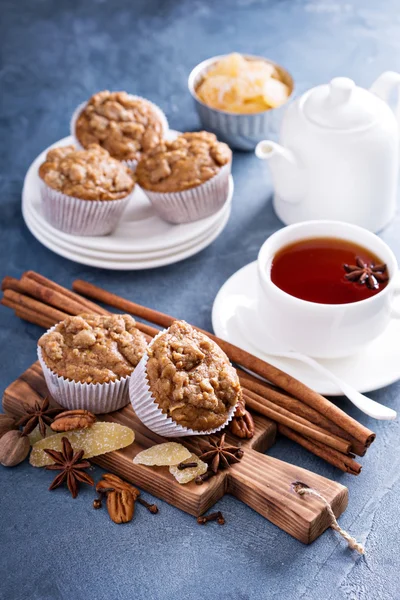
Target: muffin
[(184, 384), (87, 360), (186, 179), (125, 125), (84, 192)]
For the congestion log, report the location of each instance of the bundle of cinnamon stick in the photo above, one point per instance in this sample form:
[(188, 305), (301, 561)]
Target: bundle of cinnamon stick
[(301, 414)]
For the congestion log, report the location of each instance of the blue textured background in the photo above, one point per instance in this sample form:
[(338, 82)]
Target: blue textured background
[(54, 54)]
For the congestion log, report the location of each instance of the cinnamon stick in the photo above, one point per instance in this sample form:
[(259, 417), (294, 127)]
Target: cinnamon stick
[(32, 317), (87, 305), (18, 301), (10, 283), (306, 428), (341, 461), (265, 390), (242, 358), (45, 294)]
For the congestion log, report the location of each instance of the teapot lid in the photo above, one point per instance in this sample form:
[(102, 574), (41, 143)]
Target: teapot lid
[(341, 105)]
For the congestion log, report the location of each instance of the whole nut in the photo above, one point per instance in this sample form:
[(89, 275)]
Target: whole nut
[(14, 448), (242, 427), (73, 419), (120, 506), (6, 424)]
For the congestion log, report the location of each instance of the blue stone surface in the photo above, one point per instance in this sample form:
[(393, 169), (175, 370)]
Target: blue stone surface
[(54, 54)]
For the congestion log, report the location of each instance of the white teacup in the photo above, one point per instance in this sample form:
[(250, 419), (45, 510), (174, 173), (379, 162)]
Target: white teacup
[(324, 330)]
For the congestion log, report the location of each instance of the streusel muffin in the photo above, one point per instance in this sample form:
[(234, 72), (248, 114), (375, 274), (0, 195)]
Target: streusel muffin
[(123, 124), (184, 384), (87, 360), (84, 192), (186, 179)]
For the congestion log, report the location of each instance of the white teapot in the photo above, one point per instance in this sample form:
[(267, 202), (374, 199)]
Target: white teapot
[(338, 157)]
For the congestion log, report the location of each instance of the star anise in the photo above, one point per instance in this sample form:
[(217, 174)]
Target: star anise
[(369, 274), (39, 414), (72, 467), (218, 455)]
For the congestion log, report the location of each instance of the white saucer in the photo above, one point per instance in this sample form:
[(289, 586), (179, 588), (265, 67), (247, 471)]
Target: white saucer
[(376, 366), (141, 240)]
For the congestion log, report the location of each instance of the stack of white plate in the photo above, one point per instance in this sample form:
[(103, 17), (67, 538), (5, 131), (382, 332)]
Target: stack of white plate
[(141, 241)]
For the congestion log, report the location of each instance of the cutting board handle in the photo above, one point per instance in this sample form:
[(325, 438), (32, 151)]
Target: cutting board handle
[(266, 484)]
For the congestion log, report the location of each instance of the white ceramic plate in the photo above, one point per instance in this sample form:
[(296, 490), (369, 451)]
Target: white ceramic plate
[(140, 235), (36, 225), (376, 366), (129, 264)]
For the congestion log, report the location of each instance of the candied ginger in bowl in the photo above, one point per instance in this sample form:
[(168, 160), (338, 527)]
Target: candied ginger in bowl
[(243, 85)]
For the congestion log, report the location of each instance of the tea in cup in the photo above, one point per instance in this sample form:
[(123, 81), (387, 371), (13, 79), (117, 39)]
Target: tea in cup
[(326, 288)]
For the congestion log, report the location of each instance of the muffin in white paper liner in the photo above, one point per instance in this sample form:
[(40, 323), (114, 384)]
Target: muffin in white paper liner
[(81, 217), (98, 398), (148, 411), (132, 164), (195, 203)]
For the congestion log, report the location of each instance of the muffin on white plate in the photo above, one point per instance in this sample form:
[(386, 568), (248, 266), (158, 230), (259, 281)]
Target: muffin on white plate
[(184, 384), (84, 192), (188, 178), (125, 125), (88, 360)]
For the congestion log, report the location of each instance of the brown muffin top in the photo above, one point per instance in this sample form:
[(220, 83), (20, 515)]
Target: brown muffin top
[(93, 348), (188, 161), (122, 124), (86, 174), (191, 378)]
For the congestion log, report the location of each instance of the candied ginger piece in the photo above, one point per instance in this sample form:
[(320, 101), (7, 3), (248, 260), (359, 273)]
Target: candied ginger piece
[(35, 435), (98, 439), (169, 453), (230, 65), (275, 92), (185, 475)]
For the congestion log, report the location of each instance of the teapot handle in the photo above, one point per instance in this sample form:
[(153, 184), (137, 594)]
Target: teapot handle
[(384, 85)]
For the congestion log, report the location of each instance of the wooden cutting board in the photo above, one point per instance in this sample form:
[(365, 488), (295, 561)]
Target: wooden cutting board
[(260, 481)]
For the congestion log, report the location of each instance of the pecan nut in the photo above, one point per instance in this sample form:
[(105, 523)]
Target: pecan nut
[(240, 408), (73, 419), (110, 481), (242, 427), (120, 506), (121, 497)]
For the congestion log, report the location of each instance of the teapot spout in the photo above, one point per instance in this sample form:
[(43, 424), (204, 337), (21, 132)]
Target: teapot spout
[(383, 87), (285, 170)]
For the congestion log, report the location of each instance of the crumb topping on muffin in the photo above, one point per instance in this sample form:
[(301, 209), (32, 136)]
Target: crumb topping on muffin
[(122, 124), (90, 174), (188, 161), (93, 348), (191, 378)]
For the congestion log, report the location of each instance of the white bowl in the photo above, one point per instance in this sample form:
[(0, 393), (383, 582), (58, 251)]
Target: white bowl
[(240, 131)]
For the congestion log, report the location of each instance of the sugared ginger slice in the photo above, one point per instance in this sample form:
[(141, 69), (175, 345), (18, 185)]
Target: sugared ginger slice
[(169, 453), (186, 475), (98, 439)]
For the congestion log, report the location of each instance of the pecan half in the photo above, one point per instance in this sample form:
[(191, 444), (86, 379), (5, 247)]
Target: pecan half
[(121, 497), (242, 427), (73, 419), (240, 408), (112, 481), (120, 506)]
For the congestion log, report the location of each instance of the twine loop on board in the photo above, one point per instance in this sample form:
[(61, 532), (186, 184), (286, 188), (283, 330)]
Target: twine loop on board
[(303, 490)]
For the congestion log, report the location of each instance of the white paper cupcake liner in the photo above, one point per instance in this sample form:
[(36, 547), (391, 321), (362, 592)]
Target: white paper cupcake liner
[(132, 164), (98, 398), (81, 217), (148, 411), (193, 204)]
